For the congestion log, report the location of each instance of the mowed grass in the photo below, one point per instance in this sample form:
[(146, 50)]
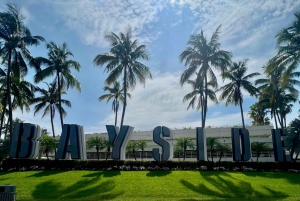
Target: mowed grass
[(153, 185)]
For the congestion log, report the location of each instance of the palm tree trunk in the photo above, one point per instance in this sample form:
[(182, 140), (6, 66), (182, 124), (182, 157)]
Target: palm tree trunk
[(241, 107), (134, 155), (107, 154), (142, 154), (125, 96), (2, 118), (59, 100), (7, 127), (258, 154), (98, 155), (8, 82), (51, 114), (184, 154), (205, 102), (275, 120), (116, 117), (221, 155), (211, 153), (280, 122), (202, 110)]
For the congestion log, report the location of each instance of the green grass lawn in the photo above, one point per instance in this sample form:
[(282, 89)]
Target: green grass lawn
[(154, 185)]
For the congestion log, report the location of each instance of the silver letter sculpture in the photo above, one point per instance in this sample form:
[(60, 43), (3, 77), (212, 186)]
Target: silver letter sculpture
[(240, 139), (201, 144), (119, 139), (72, 141), (278, 145), (167, 149), (24, 141)]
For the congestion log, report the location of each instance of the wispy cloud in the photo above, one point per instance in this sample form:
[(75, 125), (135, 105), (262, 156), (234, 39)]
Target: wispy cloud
[(160, 103), (92, 19)]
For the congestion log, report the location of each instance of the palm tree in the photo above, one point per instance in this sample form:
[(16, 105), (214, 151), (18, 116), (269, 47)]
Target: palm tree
[(58, 64), (232, 91), (116, 93), (258, 113), (48, 144), (293, 138), (132, 146), (14, 37), (49, 101), (97, 142), (211, 143), (200, 57), (273, 91), (222, 149), (259, 147), (124, 58), (142, 144), (184, 143), (107, 147), (199, 93), (288, 45)]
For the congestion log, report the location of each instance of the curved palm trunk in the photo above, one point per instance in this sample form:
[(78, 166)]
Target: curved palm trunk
[(9, 124), (51, 114), (221, 155), (274, 114), (241, 107), (59, 100), (125, 96), (8, 81)]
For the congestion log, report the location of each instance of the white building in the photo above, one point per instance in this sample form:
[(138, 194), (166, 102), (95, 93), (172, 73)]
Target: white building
[(257, 134)]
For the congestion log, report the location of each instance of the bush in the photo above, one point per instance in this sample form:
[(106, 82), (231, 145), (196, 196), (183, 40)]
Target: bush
[(35, 164)]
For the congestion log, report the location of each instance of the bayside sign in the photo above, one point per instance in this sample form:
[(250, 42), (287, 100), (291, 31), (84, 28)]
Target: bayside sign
[(25, 142)]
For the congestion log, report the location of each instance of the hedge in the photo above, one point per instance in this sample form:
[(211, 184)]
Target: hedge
[(34, 164)]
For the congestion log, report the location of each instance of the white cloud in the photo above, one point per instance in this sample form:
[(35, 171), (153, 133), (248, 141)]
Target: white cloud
[(160, 103), (92, 19)]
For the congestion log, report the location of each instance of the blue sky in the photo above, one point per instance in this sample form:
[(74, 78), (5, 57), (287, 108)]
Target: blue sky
[(248, 31)]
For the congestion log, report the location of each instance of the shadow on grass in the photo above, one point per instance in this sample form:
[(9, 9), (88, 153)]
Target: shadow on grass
[(157, 173), (46, 173), (223, 186), (103, 173), (83, 189), (290, 177)]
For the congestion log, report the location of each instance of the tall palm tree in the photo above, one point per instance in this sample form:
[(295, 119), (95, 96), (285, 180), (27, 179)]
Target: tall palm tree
[(232, 91), (116, 93), (58, 64), (201, 56), (123, 58), (273, 90), (288, 45), (14, 37), (197, 95), (49, 101)]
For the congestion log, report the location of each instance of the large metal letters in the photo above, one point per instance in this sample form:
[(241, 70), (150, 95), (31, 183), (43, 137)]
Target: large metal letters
[(240, 139), (24, 142), (72, 141), (118, 139), (167, 149)]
